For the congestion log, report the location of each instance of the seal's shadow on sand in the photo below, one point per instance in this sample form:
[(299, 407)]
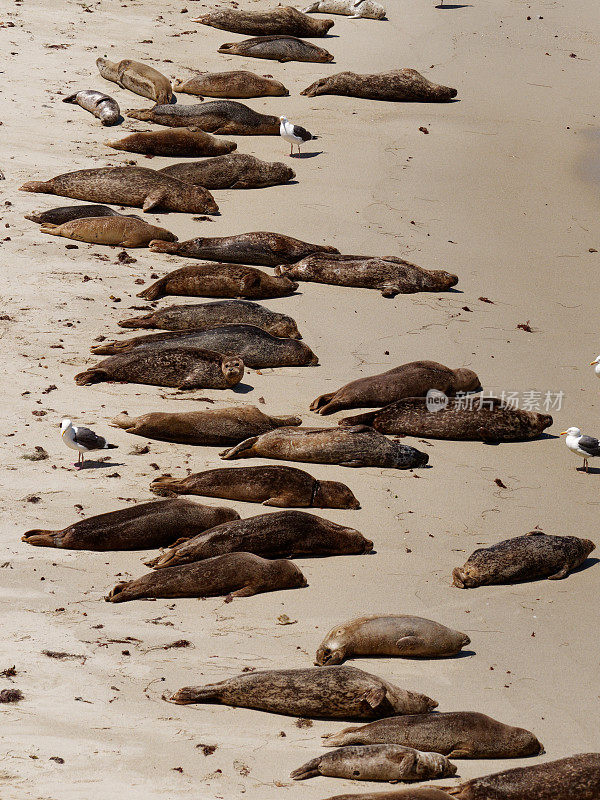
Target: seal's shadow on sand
[(589, 562), (452, 6), (242, 388)]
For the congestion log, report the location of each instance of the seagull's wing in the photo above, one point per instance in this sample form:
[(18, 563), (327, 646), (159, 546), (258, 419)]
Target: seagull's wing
[(302, 133), (88, 439), (590, 445)]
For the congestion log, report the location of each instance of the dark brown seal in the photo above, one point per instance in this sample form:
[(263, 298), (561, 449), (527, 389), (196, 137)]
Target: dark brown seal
[(460, 419), (62, 214), (419, 793), (121, 231), (398, 84), (137, 77), (235, 171), (220, 280), (271, 485), (359, 446), (232, 574), (140, 527), (414, 379), (277, 48), (218, 116), (218, 426), (173, 366), (236, 83), (524, 558), (320, 693), (173, 143), (456, 734), (283, 21), (128, 186)]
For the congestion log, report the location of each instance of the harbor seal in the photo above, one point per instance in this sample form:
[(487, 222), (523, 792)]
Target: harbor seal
[(390, 275), (366, 9), (173, 366), (218, 116), (259, 248), (281, 487), (524, 558), (277, 48), (209, 315), (456, 734), (101, 105), (359, 446), (237, 84), (220, 280), (145, 526), (419, 793), (128, 186), (235, 171), (397, 85), (377, 762), (121, 231), (390, 635), (282, 21), (58, 216), (458, 420), (325, 693), (232, 574), (175, 143), (218, 426), (138, 78), (414, 379)]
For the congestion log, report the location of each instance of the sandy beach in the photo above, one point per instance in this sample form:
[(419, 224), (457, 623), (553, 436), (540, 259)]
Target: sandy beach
[(503, 192)]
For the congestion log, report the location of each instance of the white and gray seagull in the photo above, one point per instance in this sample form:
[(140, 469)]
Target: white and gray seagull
[(585, 446), (294, 134), (83, 440), (596, 364)]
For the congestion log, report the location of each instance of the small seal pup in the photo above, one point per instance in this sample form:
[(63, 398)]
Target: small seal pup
[(318, 693), (281, 487), (282, 21), (525, 558), (141, 527), (101, 105), (121, 231), (377, 762), (58, 216), (219, 116), (215, 426), (359, 446), (390, 635), (174, 366), (237, 84), (201, 316), (277, 48), (456, 734), (177, 143), (232, 574), (234, 171), (397, 85), (414, 379), (139, 78), (355, 9), (220, 280)]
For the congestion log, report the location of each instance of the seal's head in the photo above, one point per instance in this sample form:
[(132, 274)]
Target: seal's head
[(233, 370), (291, 575), (332, 494), (466, 380), (333, 648)]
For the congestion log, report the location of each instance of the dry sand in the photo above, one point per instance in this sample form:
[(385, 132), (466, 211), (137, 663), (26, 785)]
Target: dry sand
[(499, 193)]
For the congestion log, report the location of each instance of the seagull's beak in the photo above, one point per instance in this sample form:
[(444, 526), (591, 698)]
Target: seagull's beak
[(595, 361), (563, 433)]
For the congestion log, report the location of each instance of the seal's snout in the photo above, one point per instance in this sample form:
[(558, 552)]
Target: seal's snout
[(466, 640), (422, 459)]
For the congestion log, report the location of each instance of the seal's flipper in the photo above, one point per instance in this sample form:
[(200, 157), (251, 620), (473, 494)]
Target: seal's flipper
[(407, 643), (40, 538), (374, 697), (308, 770), (458, 578), (321, 402), (90, 376), (72, 98), (116, 595), (558, 576), (196, 694), (48, 227), (153, 199), (234, 452)]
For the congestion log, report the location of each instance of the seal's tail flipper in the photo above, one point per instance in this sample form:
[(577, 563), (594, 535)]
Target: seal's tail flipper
[(40, 538), (308, 770), (48, 227), (117, 595), (196, 694), (160, 246), (123, 420), (90, 376), (234, 452), (360, 419), (154, 291), (72, 98), (136, 322), (36, 186), (164, 486)]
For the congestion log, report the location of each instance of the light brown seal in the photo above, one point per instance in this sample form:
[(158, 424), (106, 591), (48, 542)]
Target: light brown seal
[(398, 84), (139, 78), (175, 143), (128, 186), (414, 379), (271, 485), (218, 116), (235, 171), (277, 48), (390, 635), (319, 693), (218, 426), (62, 214), (456, 734), (101, 105), (121, 231), (141, 527), (524, 558), (237, 84), (232, 574), (282, 21)]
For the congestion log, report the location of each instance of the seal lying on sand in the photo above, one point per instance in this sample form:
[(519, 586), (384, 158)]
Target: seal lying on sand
[(220, 280), (128, 186), (281, 487), (121, 231), (367, 9), (218, 426), (141, 527), (524, 558), (360, 446), (418, 793), (58, 216), (277, 48), (174, 366), (176, 143), (209, 315), (414, 379), (101, 105), (456, 734), (218, 116), (324, 693), (236, 171), (381, 635), (237, 83), (282, 21), (398, 84), (139, 78), (232, 574)]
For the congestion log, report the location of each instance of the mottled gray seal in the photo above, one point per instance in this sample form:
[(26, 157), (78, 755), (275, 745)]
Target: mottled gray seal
[(282, 21), (235, 171), (359, 446), (398, 84), (414, 379), (218, 116), (456, 734), (390, 635), (121, 231), (139, 78), (141, 527), (277, 48), (418, 793), (232, 574), (320, 693), (367, 9), (271, 485), (237, 84), (62, 214), (524, 558), (101, 105), (128, 186), (176, 143)]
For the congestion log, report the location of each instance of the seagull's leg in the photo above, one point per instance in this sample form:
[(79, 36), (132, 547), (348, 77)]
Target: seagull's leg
[(291, 148), (585, 464)]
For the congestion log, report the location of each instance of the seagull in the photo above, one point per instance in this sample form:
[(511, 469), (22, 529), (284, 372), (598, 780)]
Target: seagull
[(596, 361), (83, 440), (584, 446), (294, 134)]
